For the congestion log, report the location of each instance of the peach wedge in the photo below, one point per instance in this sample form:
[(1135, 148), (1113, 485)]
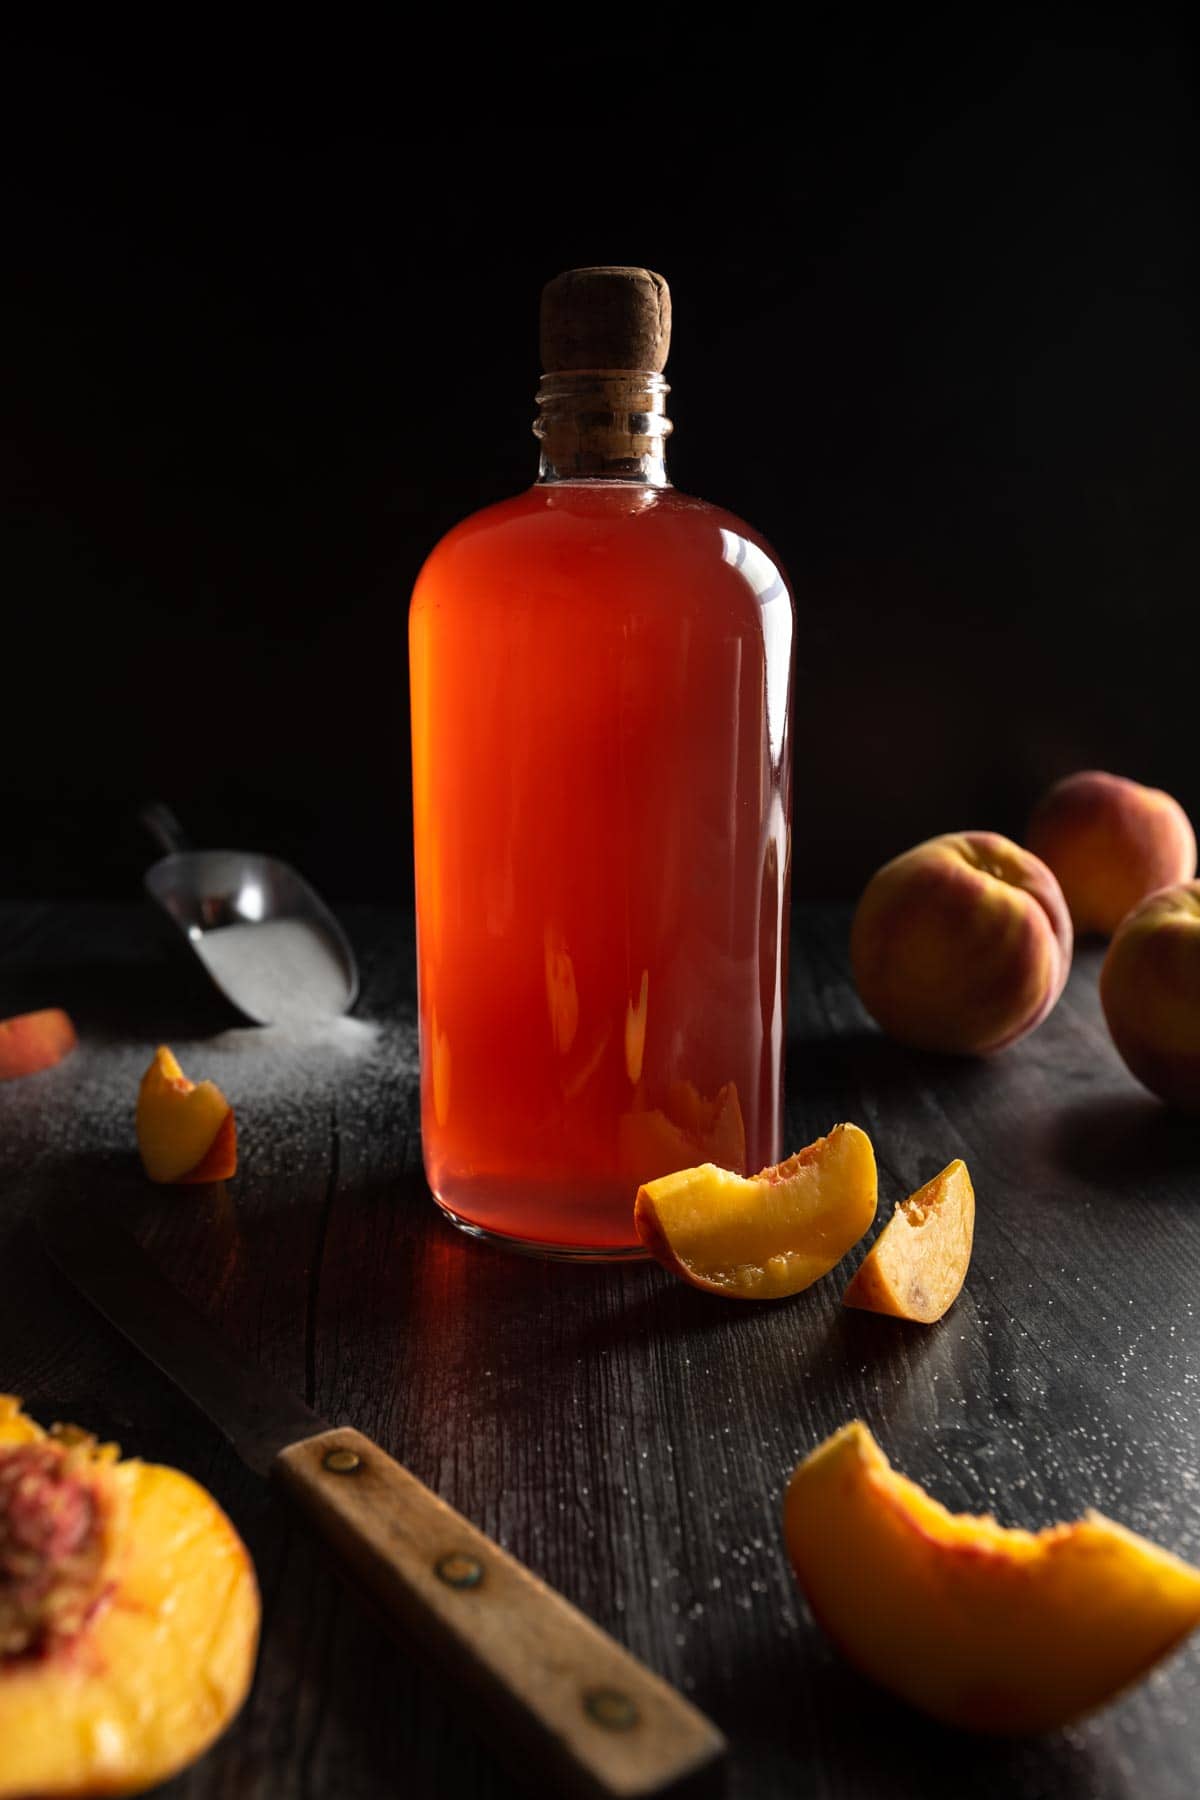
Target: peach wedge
[(34, 1041), (772, 1234), (984, 1628), (185, 1129), (128, 1637), (917, 1265)]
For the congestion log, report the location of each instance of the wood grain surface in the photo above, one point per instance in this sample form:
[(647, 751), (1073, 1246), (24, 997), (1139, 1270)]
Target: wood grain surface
[(626, 1437)]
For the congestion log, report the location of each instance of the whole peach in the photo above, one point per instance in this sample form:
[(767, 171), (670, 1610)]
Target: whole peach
[(962, 944), (1150, 992), (1111, 842)]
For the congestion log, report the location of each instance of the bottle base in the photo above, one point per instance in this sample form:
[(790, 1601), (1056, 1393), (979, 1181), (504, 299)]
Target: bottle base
[(546, 1249)]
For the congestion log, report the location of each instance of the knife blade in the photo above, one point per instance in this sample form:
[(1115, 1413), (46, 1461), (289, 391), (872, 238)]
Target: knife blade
[(562, 1698), (257, 1414)]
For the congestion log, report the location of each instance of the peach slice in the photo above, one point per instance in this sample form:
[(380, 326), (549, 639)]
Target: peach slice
[(985, 1628), (33, 1041), (129, 1616), (768, 1235), (185, 1129), (917, 1265)]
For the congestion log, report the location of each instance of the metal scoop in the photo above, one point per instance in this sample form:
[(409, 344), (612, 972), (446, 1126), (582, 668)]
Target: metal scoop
[(267, 941)]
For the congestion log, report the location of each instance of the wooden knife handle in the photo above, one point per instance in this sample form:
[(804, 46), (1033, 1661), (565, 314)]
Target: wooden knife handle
[(576, 1708)]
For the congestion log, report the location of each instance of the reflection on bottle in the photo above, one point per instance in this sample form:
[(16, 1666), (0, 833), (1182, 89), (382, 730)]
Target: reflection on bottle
[(635, 1031), (778, 624), (685, 1130), (773, 954), (562, 996), (575, 1079)]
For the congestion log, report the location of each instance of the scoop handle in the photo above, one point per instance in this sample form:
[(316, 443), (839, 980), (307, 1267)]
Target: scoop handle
[(575, 1707), (164, 827)]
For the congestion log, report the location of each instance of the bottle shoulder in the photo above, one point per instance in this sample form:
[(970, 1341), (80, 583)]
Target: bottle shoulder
[(742, 545), (629, 532)]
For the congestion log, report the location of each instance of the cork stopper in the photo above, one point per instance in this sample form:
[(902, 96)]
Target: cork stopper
[(605, 318)]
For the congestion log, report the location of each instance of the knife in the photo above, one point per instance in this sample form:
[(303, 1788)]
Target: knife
[(572, 1705)]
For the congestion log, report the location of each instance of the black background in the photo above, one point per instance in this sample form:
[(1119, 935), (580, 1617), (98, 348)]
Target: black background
[(272, 323)]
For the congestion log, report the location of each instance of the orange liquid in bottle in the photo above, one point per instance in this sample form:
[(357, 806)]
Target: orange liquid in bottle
[(600, 689)]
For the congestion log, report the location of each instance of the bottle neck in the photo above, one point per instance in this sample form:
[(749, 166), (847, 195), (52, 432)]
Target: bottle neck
[(603, 425)]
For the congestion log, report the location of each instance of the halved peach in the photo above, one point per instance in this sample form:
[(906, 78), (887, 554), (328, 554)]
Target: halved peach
[(33, 1041), (987, 1629), (185, 1129), (917, 1265), (768, 1235), (130, 1612)]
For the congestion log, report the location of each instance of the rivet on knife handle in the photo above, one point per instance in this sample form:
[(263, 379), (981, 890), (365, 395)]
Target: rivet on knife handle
[(562, 1694), (341, 1462)]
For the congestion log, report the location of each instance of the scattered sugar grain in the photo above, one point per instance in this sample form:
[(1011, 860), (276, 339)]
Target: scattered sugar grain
[(276, 1075)]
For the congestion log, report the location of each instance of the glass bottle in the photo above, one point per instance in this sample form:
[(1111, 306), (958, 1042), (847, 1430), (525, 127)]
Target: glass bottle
[(601, 687)]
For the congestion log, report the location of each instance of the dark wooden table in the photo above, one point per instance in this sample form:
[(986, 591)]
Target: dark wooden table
[(627, 1437)]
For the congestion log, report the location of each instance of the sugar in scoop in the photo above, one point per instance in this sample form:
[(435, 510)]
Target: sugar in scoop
[(265, 938), (278, 971)]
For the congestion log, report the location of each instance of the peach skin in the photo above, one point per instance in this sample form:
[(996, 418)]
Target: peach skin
[(33, 1041), (962, 944), (1150, 992), (1111, 842), (984, 1628)]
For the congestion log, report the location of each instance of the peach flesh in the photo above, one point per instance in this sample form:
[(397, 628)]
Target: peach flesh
[(185, 1129), (917, 1265)]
